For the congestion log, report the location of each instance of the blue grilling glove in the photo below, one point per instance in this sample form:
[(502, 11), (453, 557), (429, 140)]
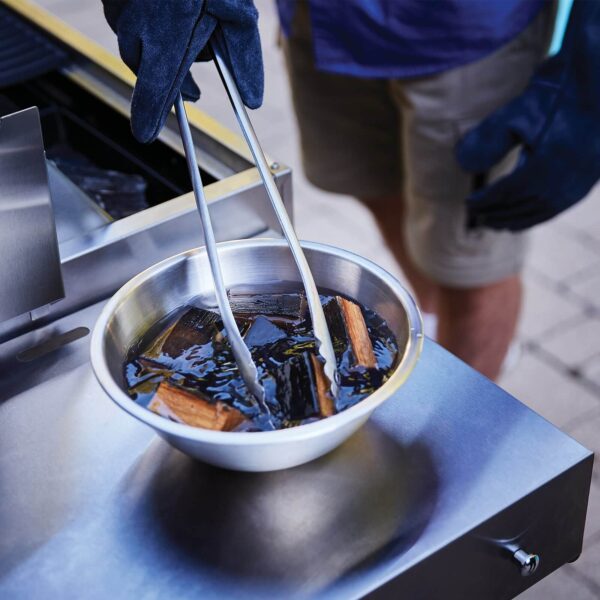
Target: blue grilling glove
[(160, 40), (557, 122)]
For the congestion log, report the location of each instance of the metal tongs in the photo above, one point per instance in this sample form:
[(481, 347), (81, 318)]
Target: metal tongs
[(240, 350)]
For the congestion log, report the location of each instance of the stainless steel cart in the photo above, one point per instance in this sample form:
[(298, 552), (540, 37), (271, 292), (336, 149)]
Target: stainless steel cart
[(453, 490)]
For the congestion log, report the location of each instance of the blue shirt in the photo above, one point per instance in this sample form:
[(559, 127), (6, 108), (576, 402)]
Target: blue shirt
[(408, 38)]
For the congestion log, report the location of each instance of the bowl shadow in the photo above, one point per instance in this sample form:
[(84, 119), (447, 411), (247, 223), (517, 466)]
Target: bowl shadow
[(304, 527)]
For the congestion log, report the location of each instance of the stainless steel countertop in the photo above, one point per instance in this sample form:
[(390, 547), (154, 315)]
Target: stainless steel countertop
[(94, 505)]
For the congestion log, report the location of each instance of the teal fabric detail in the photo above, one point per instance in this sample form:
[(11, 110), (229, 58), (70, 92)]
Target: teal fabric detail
[(560, 25)]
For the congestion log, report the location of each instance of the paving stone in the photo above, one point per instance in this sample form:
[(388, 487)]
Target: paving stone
[(544, 309), (560, 585), (587, 287), (337, 230), (592, 522), (87, 16), (576, 343), (551, 393), (584, 216), (587, 565), (559, 256), (57, 6), (591, 370), (587, 433)]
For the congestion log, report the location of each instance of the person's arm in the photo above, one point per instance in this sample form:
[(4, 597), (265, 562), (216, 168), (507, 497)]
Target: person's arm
[(556, 120), (160, 40)]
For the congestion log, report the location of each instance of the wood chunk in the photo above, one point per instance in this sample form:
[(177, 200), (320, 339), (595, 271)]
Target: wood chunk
[(154, 351), (186, 407), (279, 308), (302, 308), (337, 328), (195, 328), (303, 388), (160, 408), (324, 399), (296, 391), (360, 342)]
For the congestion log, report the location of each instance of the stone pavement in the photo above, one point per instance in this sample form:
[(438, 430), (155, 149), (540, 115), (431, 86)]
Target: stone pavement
[(558, 374)]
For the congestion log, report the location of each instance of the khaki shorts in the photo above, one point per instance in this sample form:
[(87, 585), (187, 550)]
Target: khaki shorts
[(377, 138)]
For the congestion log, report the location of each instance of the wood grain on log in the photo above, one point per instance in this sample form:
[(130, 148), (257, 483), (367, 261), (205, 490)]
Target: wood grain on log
[(324, 399), (360, 342), (187, 407)]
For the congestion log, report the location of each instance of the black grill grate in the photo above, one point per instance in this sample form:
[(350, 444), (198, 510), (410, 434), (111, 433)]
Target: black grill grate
[(24, 51)]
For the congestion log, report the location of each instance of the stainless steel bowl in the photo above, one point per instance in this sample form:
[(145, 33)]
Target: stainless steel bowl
[(247, 264)]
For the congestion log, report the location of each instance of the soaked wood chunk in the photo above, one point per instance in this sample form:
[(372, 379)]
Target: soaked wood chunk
[(282, 309), (325, 401), (154, 351), (358, 334), (195, 328), (181, 405), (296, 392), (337, 328), (303, 388)]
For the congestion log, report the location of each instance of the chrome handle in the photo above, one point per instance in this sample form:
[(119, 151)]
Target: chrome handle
[(528, 562)]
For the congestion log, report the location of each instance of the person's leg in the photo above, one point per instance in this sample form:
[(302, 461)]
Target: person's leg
[(478, 324), (389, 214), (477, 271)]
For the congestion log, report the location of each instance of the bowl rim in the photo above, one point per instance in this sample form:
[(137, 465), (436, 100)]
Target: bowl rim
[(244, 438)]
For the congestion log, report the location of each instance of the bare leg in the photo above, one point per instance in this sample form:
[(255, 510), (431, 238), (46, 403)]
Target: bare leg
[(389, 215), (478, 324)]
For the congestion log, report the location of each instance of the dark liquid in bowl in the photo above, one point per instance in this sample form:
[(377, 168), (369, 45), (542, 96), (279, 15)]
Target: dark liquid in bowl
[(187, 354)]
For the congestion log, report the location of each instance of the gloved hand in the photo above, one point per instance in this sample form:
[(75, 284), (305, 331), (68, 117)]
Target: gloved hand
[(160, 39), (557, 121)]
